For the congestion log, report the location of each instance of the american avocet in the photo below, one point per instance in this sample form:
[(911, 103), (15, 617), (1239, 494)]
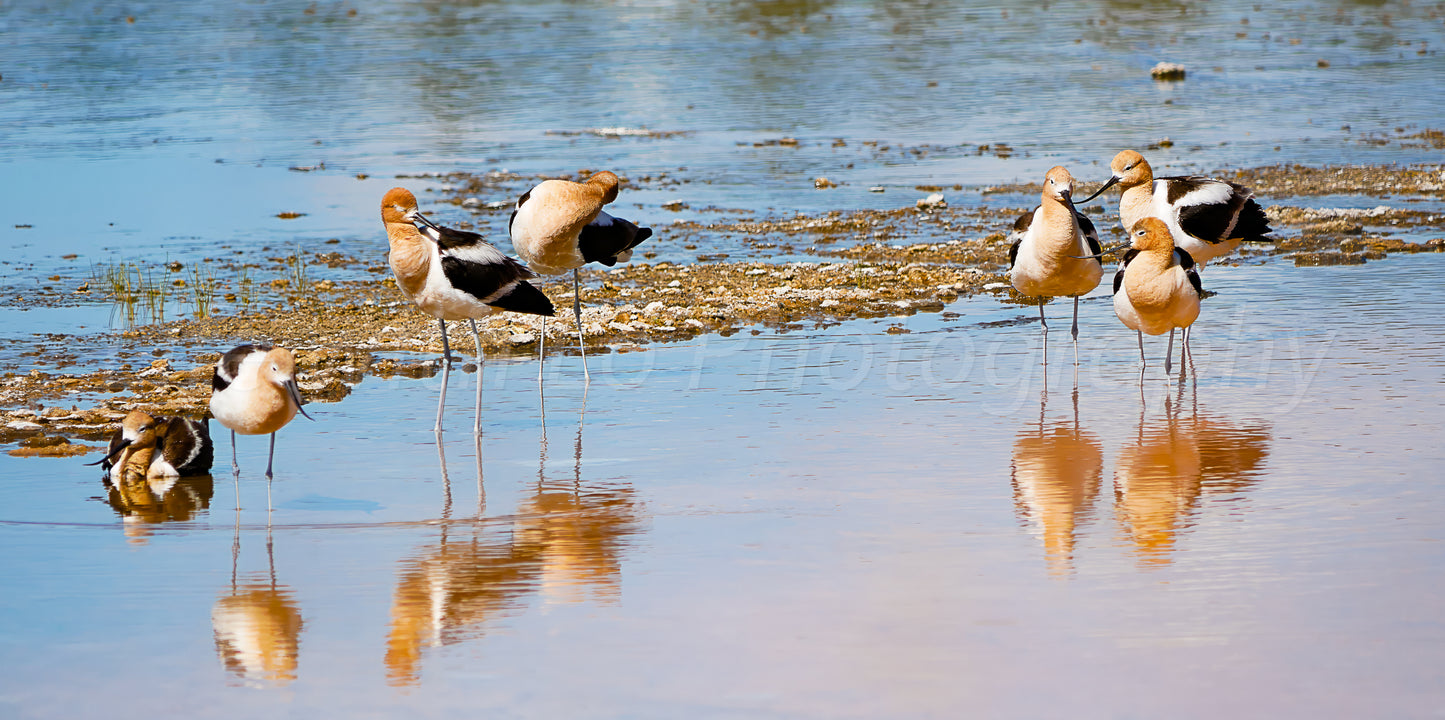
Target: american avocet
[(1045, 259), (453, 274), (253, 392), (559, 225), (164, 447), (1157, 288), (1207, 217)]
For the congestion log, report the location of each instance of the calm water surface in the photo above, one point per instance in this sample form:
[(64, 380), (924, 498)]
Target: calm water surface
[(831, 523), (839, 522)]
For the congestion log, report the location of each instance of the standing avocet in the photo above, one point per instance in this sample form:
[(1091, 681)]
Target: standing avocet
[(254, 392), (1208, 218), (1046, 259), (453, 274), (1157, 289), (559, 225)]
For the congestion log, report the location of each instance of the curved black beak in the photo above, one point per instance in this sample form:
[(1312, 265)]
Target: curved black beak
[(1101, 253), (1112, 179), (420, 218), (123, 445), (295, 393)]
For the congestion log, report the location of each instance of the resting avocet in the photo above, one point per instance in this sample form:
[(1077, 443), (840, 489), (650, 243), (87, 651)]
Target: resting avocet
[(559, 225)]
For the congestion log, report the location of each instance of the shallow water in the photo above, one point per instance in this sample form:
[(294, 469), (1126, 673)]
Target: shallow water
[(838, 522)]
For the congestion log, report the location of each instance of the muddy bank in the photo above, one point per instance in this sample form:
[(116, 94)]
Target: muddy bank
[(354, 322)]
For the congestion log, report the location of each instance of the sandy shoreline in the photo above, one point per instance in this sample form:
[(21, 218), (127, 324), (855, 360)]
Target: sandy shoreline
[(909, 260)]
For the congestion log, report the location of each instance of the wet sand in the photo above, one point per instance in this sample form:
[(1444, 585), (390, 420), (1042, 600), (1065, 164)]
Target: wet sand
[(869, 264)]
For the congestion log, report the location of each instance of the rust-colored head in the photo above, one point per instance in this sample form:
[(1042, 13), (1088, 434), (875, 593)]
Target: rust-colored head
[(607, 182), (1058, 184), (139, 428), (1131, 169), (1151, 233), (398, 206), (279, 367)]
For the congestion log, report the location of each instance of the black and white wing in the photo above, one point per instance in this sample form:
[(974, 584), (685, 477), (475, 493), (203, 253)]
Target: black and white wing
[(1119, 276), (185, 444), (1021, 228), (1091, 236), (609, 240), (1186, 261), (230, 364), (1204, 207), (473, 266)]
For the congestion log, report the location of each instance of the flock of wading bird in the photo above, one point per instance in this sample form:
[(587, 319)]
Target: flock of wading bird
[(1175, 225)]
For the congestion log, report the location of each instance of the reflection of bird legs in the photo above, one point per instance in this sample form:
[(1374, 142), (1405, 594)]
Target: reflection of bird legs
[(481, 489), (270, 554), (235, 550), (577, 455), (542, 460), (446, 479)]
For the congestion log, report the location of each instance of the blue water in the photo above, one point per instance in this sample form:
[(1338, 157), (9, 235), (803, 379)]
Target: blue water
[(826, 523), (832, 522)]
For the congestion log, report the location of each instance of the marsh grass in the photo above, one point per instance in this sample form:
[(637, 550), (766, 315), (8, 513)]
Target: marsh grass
[(203, 292), (299, 275), (139, 293)]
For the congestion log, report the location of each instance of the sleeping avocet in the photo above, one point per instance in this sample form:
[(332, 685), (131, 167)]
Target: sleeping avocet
[(1207, 217), (253, 392), (1157, 288), (559, 225), (1046, 259), (167, 447)]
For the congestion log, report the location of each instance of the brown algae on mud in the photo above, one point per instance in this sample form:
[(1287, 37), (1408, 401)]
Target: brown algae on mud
[(872, 263)]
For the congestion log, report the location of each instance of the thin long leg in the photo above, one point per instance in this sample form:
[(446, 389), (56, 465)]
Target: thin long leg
[(236, 471), (477, 422), (442, 397), (269, 457), (1142, 361), (1042, 321), (446, 347), (1169, 352), (1074, 331), (541, 349), (577, 312)]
